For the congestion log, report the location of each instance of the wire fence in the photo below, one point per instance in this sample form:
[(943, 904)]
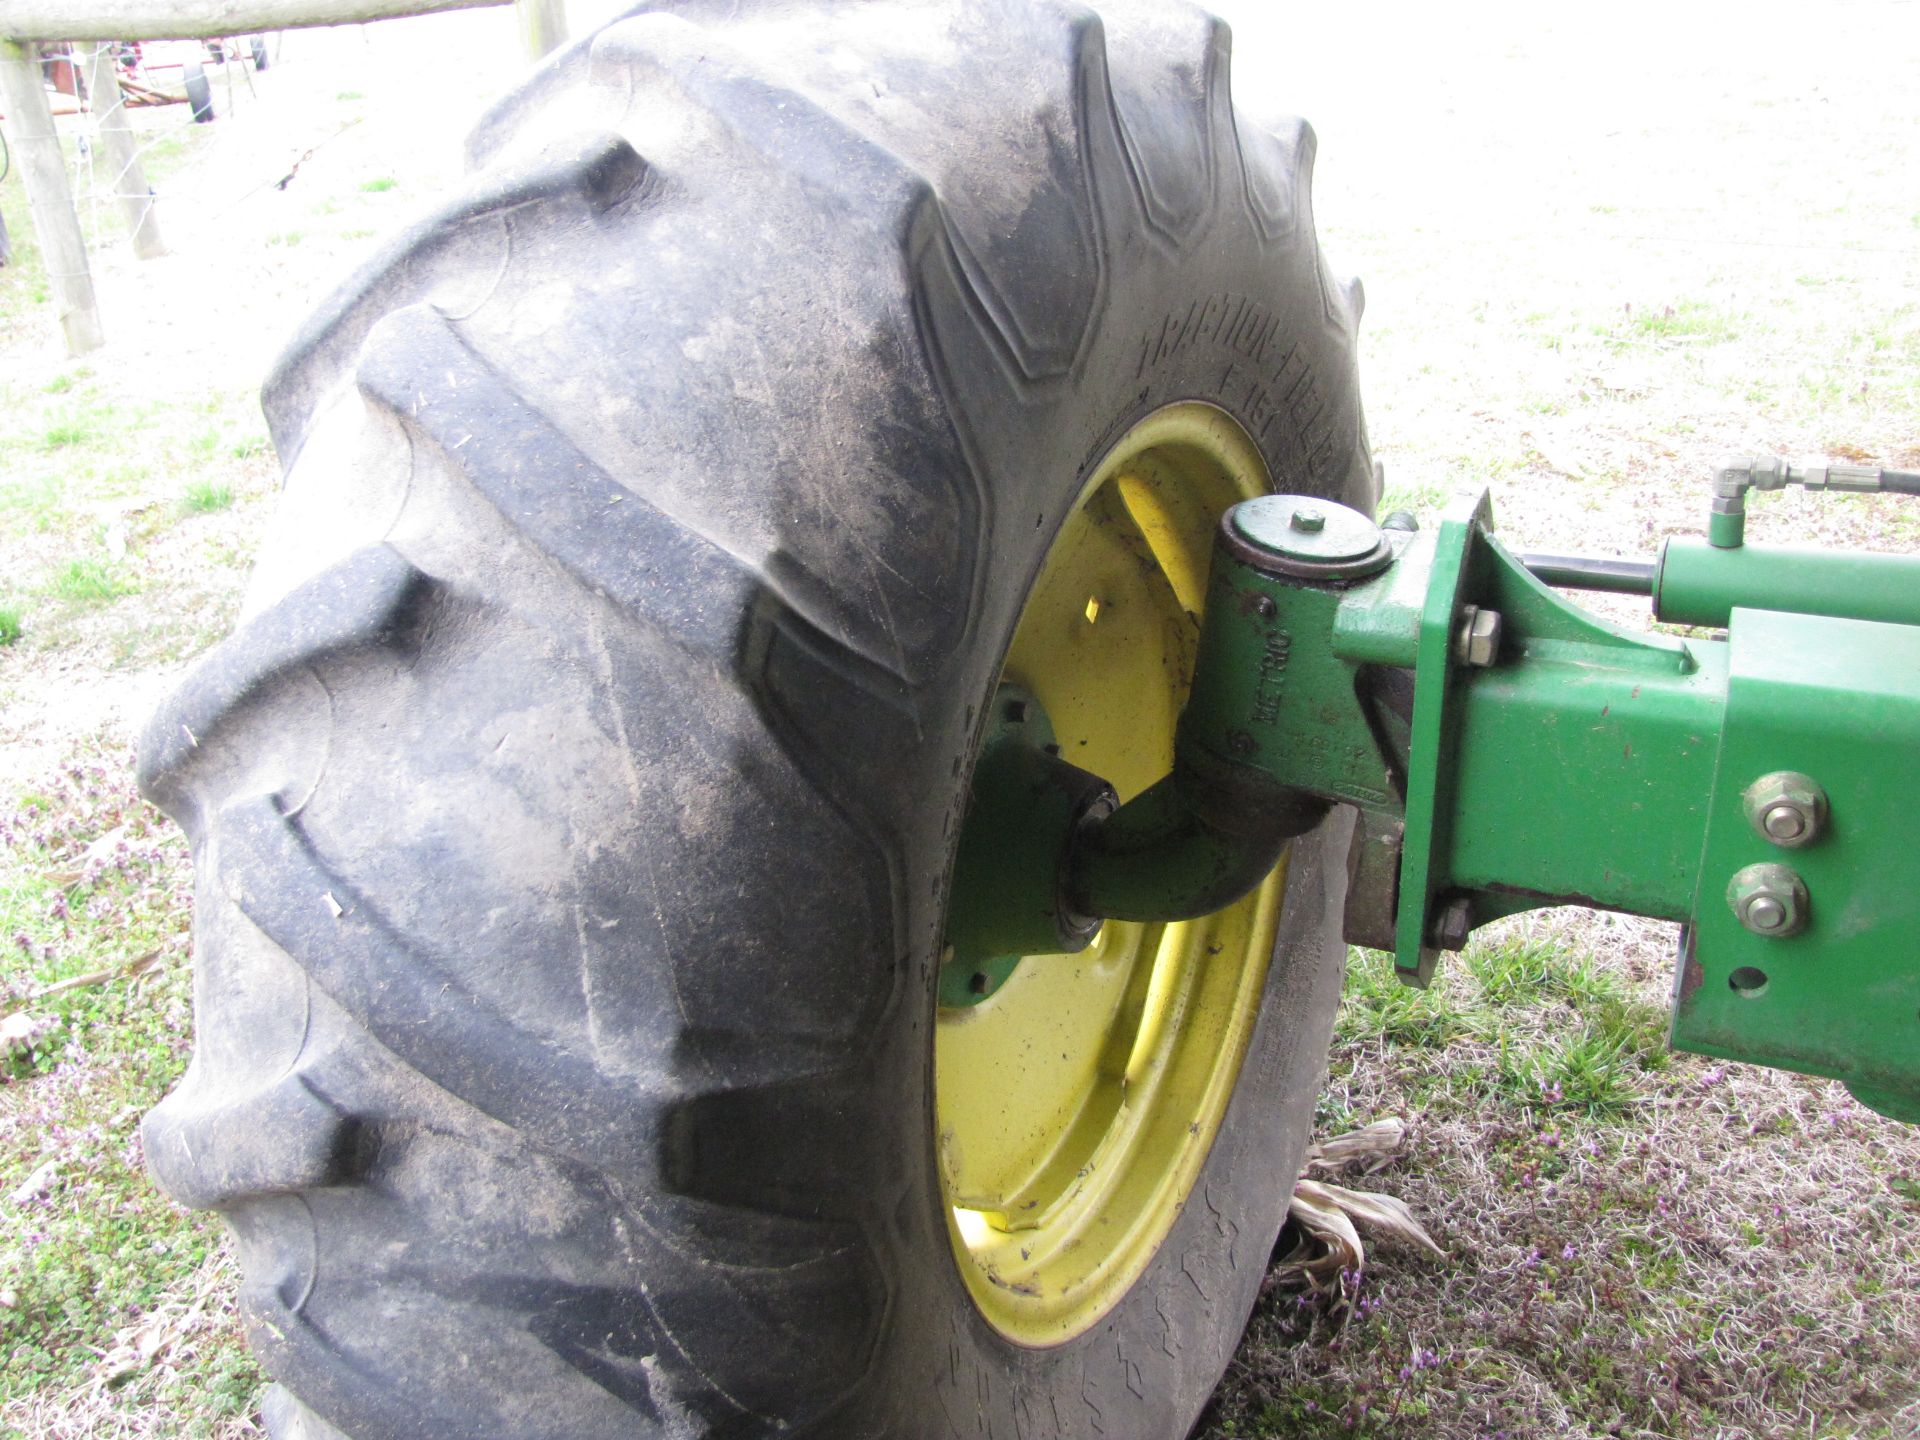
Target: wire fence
[(102, 185)]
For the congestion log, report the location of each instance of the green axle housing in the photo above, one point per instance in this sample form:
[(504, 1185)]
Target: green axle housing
[(1505, 750)]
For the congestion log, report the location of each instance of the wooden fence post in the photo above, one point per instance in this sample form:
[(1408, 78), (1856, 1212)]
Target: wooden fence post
[(543, 25), (129, 178), (36, 149)]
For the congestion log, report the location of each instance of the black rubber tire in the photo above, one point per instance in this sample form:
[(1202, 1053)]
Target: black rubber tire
[(193, 78), (573, 807)]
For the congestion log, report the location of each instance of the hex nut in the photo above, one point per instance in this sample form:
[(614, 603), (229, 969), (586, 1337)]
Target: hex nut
[(1453, 924), (1476, 638), (1769, 900), (1786, 808)]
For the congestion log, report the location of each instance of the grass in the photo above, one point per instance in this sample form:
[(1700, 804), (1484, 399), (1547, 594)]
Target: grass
[(90, 581), (96, 475), (1600, 1266), (378, 184), (204, 497), (9, 624), (93, 900), (1683, 320)]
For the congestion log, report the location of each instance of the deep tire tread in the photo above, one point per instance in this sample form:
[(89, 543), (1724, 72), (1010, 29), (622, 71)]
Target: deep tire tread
[(696, 1263)]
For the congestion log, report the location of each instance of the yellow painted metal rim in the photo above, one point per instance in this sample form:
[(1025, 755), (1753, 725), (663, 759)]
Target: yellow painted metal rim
[(1076, 1106)]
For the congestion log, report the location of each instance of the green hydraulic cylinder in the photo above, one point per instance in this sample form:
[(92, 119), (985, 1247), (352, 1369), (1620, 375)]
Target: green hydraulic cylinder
[(1696, 583)]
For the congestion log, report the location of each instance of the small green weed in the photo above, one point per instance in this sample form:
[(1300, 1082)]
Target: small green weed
[(64, 435), (378, 183), (58, 385), (1378, 1006), (9, 624), (1523, 971), (203, 497), (89, 580), (1421, 495), (1688, 320), (1594, 1071)]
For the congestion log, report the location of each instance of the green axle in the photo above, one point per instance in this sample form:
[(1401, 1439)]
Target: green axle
[(1506, 750)]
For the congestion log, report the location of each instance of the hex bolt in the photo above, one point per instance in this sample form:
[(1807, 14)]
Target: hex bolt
[(1786, 823), (1769, 900), (1476, 639), (1786, 808), (1308, 521), (1453, 924)]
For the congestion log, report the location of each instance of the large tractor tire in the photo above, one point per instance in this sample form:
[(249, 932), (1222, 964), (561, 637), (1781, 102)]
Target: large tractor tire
[(573, 808)]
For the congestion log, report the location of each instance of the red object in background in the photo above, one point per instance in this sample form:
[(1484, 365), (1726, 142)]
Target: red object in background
[(61, 74)]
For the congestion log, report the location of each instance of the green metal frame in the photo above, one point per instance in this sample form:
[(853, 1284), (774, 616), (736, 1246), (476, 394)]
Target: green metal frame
[(1547, 757)]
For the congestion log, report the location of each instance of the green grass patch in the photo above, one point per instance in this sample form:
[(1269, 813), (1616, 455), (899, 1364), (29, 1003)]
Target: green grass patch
[(378, 184), (89, 581), (1520, 971), (9, 624), (64, 434), (1588, 1071), (204, 497), (1378, 1007), (1687, 320)]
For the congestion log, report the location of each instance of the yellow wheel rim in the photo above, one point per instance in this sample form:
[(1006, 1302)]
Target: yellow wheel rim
[(1076, 1104)]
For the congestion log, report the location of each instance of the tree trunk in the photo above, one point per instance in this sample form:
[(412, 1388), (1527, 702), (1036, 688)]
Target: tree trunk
[(116, 139), (36, 149)]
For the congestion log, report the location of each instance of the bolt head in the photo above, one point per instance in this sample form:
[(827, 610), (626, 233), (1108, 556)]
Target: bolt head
[(1786, 808), (1769, 900), (1785, 823), (1476, 637), (1453, 924), (1307, 520)]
